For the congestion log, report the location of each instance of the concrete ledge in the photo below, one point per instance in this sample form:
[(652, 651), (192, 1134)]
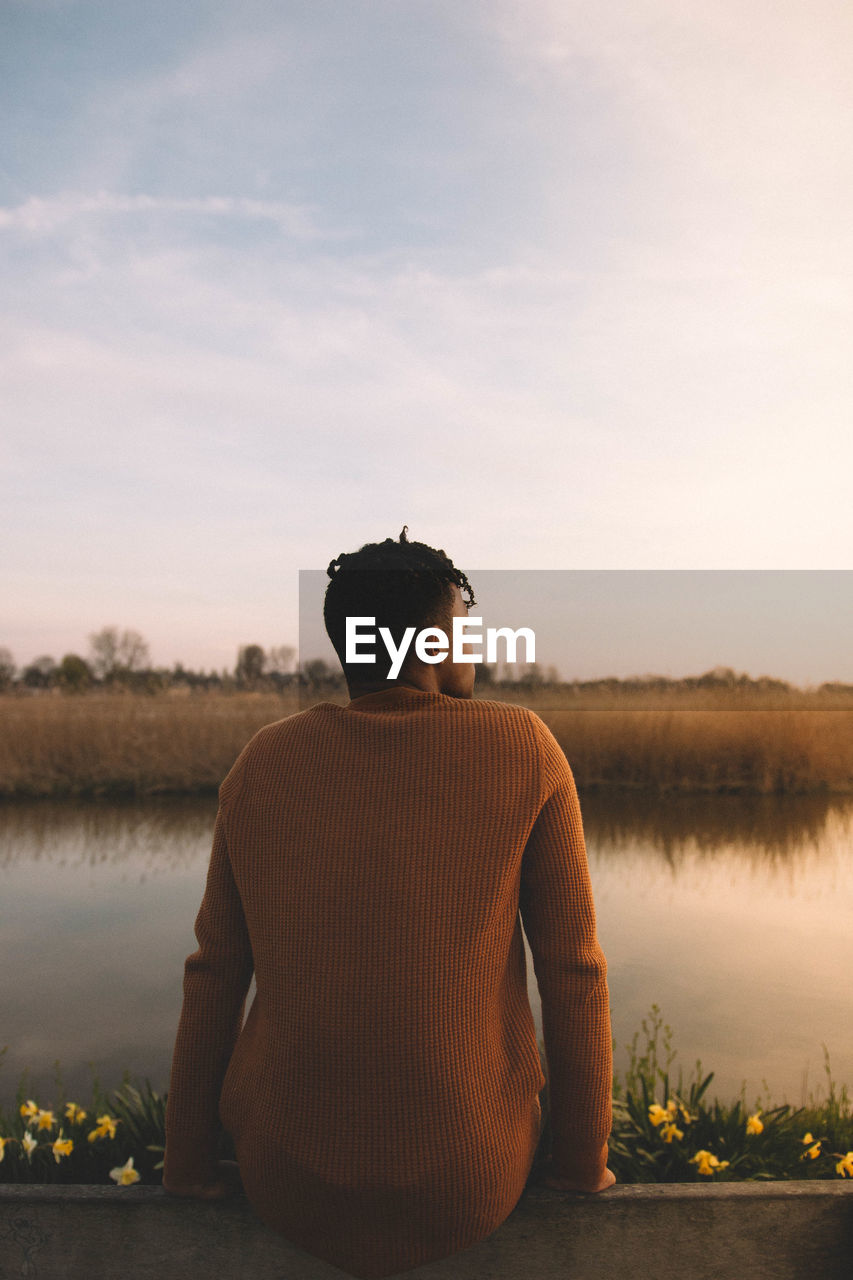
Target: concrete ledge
[(759, 1231)]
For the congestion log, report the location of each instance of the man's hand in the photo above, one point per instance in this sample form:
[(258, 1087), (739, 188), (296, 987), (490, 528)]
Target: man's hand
[(218, 1188), (556, 1183)]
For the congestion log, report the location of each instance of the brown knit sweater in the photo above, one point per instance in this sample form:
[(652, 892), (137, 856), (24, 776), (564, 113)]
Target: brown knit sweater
[(368, 865)]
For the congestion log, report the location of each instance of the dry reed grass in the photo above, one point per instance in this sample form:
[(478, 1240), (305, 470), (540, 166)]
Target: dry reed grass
[(126, 744), (136, 745), (698, 750)]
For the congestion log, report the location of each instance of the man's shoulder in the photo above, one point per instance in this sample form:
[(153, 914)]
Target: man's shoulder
[(522, 725), (508, 717), (264, 745), (508, 711)]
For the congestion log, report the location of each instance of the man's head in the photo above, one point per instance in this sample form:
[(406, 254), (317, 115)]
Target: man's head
[(401, 584)]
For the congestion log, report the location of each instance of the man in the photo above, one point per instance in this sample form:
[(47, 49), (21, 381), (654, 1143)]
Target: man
[(372, 864)]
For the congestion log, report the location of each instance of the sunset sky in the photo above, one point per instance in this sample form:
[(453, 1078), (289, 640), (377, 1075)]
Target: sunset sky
[(561, 286)]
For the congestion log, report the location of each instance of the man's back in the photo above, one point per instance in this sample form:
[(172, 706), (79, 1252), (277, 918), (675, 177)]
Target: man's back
[(369, 863)]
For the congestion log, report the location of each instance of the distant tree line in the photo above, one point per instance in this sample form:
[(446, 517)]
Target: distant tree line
[(120, 660)]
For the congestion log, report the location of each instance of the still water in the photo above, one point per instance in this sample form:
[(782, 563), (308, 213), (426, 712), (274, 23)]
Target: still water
[(734, 914)]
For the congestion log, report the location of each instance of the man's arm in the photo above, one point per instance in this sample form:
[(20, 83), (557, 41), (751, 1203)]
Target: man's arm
[(559, 919), (216, 979)]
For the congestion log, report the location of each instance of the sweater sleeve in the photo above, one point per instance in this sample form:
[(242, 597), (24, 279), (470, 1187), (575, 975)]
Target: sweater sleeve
[(559, 919), (216, 979)]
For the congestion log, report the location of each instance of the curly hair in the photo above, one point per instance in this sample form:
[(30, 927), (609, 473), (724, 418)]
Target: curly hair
[(401, 584)]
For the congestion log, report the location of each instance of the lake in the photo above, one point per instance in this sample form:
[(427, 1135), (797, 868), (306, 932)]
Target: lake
[(733, 913)]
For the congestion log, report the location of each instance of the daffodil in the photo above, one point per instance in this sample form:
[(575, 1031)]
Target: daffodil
[(845, 1165), (126, 1174), (45, 1120), (667, 1116), (813, 1149), (74, 1113), (754, 1125), (29, 1109), (106, 1128), (3, 1142), (62, 1147), (670, 1131), (29, 1144), (706, 1163)]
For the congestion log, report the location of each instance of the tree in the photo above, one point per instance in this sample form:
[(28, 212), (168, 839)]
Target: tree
[(134, 654), (39, 674), (251, 661), (532, 675), (319, 676), (317, 671), (725, 676), (115, 653), (280, 659), (7, 668), (104, 646), (74, 673)]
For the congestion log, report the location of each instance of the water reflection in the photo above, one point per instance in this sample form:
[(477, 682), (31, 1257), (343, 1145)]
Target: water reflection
[(98, 904), (156, 835), (733, 913), (767, 830)]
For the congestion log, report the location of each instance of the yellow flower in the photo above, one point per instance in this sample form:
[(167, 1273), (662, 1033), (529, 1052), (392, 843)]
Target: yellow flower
[(29, 1144), (74, 1113), (29, 1109), (814, 1150), (670, 1131), (45, 1120), (845, 1165), (62, 1147), (706, 1163), (3, 1142), (754, 1125), (667, 1116), (106, 1127), (126, 1174)]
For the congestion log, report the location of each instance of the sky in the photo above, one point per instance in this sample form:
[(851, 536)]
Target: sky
[(559, 286)]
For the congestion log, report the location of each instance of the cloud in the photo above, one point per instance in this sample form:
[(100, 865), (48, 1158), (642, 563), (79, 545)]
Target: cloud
[(41, 216)]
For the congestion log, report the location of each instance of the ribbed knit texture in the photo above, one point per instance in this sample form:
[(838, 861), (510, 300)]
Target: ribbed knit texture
[(368, 864)]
